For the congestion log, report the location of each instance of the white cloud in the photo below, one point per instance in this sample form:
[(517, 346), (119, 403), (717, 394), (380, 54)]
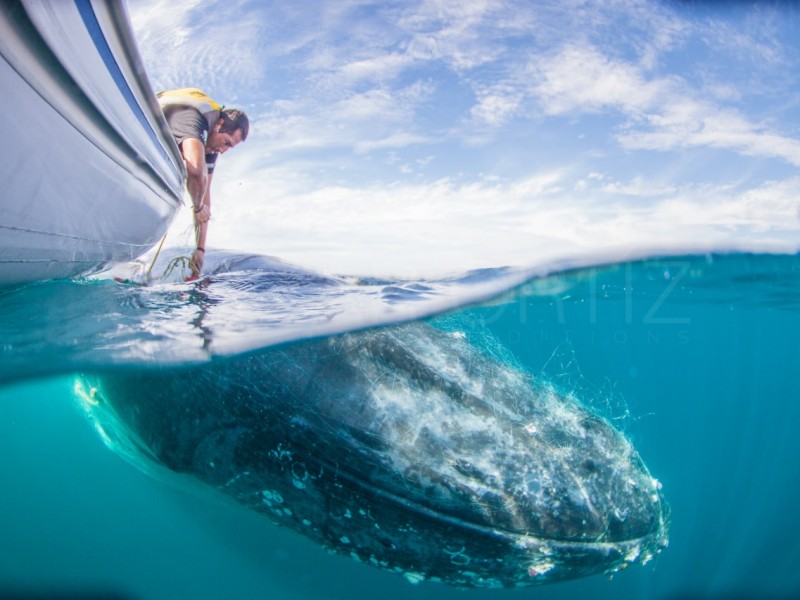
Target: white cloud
[(457, 33), (639, 188), (583, 79), (188, 44), (662, 113), (378, 107), (398, 139), (690, 124), (497, 105), (378, 68)]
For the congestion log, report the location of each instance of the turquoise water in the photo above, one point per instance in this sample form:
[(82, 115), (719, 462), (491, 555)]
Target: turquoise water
[(695, 359)]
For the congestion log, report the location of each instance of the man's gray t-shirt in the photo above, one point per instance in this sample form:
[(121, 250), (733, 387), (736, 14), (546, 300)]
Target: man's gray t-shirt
[(188, 122)]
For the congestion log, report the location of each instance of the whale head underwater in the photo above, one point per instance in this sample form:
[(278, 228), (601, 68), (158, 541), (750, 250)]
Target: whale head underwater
[(407, 448)]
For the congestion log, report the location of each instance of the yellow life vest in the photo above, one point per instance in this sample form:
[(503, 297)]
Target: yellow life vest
[(188, 97)]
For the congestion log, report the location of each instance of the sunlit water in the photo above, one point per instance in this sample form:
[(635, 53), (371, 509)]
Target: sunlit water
[(694, 358)]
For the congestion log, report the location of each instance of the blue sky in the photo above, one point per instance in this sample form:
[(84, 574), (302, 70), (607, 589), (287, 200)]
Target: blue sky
[(431, 136)]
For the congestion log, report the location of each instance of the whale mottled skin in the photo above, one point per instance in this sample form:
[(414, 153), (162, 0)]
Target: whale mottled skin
[(405, 447)]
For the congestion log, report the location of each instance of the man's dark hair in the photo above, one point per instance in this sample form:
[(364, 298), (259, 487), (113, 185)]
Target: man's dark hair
[(233, 119)]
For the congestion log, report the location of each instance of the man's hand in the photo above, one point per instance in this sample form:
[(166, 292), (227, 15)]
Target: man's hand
[(202, 215), (196, 264)]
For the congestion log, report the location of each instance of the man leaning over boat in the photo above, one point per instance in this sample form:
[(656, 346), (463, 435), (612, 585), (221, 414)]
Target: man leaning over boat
[(203, 129)]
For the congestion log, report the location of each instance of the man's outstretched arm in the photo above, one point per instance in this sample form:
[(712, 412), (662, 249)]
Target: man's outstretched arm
[(194, 155), (198, 184)]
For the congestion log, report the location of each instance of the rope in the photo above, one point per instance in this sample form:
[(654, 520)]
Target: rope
[(172, 265), (152, 264), (184, 261)]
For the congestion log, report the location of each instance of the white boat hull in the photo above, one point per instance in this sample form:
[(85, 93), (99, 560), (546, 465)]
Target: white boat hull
[(89, 174)]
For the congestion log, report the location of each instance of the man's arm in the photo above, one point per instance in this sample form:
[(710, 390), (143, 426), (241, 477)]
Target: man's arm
[(194, 155), (198, 183), (201, 229)]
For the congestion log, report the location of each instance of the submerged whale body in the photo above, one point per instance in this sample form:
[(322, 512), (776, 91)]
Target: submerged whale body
[(407, 448)]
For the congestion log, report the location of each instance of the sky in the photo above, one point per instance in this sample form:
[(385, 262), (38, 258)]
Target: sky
[(425, 137)]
